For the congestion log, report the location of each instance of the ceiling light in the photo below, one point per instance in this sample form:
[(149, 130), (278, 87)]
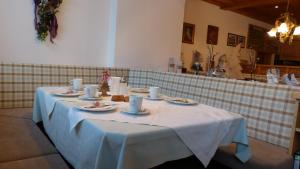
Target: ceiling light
[(272, 32), (276, 6), (297, 30), (285, 27)]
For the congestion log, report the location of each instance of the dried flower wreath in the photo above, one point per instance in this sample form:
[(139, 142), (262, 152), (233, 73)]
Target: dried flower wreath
[(45, 20)]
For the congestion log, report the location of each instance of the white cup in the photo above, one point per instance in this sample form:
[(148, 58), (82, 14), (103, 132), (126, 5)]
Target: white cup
[(76, 84), (123, 89), (135, 104), (115, 85), (91, 91), (154, 92)]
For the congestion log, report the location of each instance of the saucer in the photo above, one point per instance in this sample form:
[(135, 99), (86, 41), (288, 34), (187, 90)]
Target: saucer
[(90, 108), (158, 98), (90, 98), (139, 90), (143, 112), (65, 93), (182, 101)]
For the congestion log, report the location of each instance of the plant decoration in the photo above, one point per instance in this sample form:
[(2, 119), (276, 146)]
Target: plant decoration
[(104, 88), (45, 19), (210, 60), (253, 61), (234, 67), (196, 60)]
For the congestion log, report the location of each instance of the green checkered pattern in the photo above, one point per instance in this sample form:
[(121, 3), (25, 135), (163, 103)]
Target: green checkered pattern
[(267, 108), (18, 82)]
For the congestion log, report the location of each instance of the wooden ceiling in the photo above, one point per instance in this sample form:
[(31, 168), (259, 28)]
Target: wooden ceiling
[(263, 10)]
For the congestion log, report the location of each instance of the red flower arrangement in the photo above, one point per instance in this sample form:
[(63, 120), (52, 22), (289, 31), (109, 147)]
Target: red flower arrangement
[(105, 76), (104, 80)]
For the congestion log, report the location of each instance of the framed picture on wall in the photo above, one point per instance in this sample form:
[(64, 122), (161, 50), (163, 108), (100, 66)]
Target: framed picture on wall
[(256, 37), (242, 40), (232, 39), (212, 35), (188, 33)]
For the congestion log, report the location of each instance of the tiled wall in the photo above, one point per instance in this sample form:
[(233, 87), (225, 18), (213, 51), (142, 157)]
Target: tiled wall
[(19, 81), (268, 108)]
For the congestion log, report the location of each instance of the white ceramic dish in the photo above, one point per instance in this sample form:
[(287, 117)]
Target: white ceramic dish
[(105, 108), (155, 99), (65, 94), (141, 113), (182, 101), (139, 90), (90, 98)]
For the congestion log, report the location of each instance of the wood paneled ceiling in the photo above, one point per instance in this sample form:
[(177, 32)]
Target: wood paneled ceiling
[(263, 10)]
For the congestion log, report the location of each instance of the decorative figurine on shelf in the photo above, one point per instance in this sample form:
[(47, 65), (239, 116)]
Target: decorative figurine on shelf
[(273, 75), (104, 88), (196, 66), (219, 70)]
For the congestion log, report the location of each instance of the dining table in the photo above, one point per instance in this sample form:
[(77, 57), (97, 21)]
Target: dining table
[(115, 139)]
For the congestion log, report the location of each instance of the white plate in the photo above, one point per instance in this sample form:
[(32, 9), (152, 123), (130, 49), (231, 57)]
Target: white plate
[(64, 94), (182, 101), (158, 98), (90, 98), (139, 90), (143, 112), (98, 109)]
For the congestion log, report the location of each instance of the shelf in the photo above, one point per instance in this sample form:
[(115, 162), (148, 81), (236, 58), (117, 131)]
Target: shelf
[(297, 129)]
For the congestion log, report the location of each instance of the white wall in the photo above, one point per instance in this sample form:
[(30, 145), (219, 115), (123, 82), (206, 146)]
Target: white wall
[(148, 33), (82, 33), (203, 14), (123, 33)]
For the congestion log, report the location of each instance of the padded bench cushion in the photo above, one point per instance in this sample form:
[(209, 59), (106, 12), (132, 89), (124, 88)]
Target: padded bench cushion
[(53, 161), (25, 113), (21, 138), (264, 156)]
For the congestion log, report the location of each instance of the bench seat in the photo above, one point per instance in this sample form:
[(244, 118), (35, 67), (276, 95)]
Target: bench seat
[(264, 156), (21, 138), (25, 113), (52, 161)]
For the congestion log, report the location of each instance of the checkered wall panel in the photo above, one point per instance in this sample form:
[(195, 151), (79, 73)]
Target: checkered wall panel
[(19, 81), (267, 108)]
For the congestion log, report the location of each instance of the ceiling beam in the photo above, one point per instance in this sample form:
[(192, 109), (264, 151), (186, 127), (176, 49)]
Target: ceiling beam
[(251, 3)]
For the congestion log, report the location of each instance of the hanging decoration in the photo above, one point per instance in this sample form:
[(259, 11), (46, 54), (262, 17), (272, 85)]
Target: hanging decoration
[(285, 27), (45, 19)]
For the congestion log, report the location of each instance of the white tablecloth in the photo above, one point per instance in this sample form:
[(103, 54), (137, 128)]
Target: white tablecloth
[(200, 129)]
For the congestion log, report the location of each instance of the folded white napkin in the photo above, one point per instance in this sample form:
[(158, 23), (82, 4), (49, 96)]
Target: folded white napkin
[(290, 81)]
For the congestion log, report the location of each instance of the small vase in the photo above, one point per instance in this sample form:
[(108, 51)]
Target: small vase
[(104, 89)]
